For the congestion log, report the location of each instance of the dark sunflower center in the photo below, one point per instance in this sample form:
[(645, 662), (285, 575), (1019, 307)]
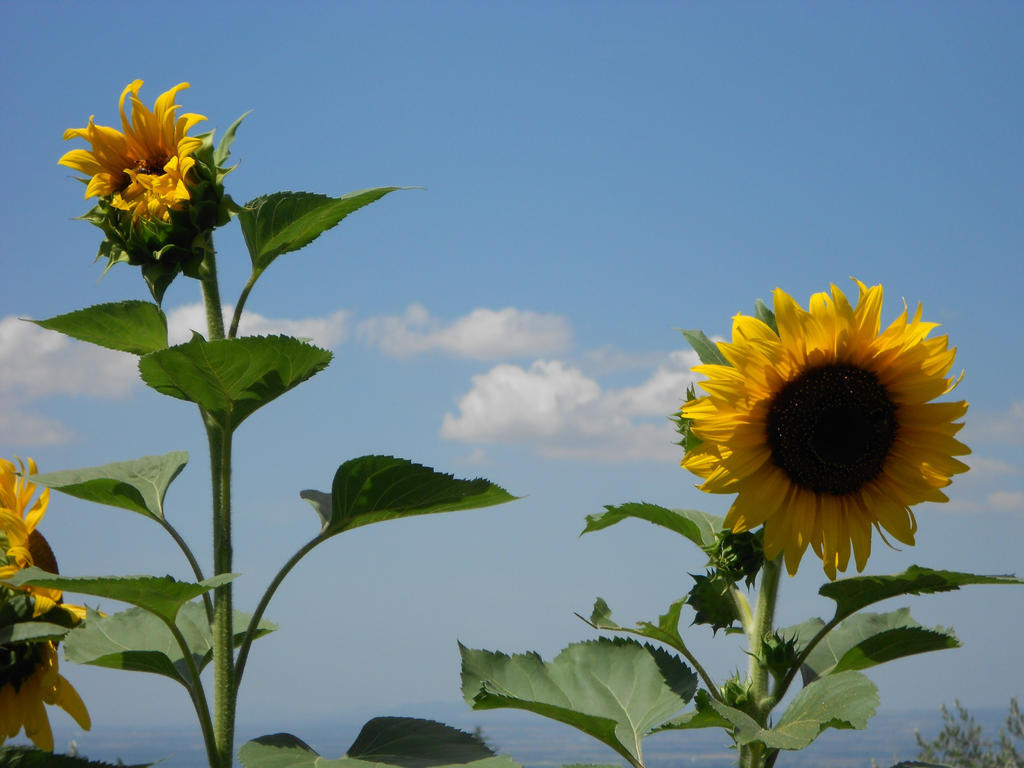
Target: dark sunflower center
[(152, 166), (831, 428), (18, 662)]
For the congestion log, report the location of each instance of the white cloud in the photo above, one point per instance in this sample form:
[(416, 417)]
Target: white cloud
[(327, 332), (1007, 500), (1005, 427), (563, 413), (483, 334), (36, 363)]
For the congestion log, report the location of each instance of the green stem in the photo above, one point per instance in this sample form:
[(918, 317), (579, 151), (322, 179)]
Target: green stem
[(236, 318), (219, 439), (196, 568), (758, 678), (223, 631), (198, 696), (254, 622)]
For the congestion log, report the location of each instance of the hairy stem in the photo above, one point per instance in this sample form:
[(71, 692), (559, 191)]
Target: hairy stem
[(196, 568), (752, 755)]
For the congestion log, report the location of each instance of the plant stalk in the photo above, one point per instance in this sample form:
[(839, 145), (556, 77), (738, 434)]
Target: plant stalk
[(219, 439), (752, 755)]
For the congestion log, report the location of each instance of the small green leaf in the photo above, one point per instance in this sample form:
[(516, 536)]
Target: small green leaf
[(412, 743), (614, 690), (372, 489), (30, 757), (139, 485), (282, 750), (220, 155), (699, 527), (31, 631), (705, 348), (844, 700), (704, 716), (137, 640), (861, 591), (138, 327), (665, 631), (161, 595), (868, 639), (286, 221), (711, 600), (231, 378), (765, 315)]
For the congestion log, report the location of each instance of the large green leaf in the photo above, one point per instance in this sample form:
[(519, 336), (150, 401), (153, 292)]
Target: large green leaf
[(699, 527), (843, 700), (29, 631), (286, 221), (231, 378), (162, 595), (372, 489), (861, 591), (616, 690), (705, 348), (138, 327), (30, 757), (402, 742), (139, 641), (138, 485), (867, 639)]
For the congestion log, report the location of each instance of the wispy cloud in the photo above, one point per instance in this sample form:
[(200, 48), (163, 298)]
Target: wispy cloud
[(483, 334), (1006, 427), (327, 332), (36, 364), (561, 412)]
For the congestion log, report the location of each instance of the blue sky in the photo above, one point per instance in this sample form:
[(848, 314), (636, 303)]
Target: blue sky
[(598, 175)]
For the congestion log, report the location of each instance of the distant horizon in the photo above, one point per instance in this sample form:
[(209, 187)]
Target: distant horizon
[(531, 740)]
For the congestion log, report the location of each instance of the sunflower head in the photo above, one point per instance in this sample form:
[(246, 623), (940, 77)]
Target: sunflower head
[(824, 425), (159, 191), (29, 679)]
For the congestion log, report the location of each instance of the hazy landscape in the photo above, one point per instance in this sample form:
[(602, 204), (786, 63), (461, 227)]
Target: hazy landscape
[(538, 743)]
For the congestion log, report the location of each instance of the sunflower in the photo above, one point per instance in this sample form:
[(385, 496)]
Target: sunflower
[(25, 546), (144, 167), (825, 427), (28, 670), (29, 679)]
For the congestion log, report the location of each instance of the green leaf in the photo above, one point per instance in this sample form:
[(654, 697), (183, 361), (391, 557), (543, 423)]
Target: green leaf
[(286, 221), (137, 640), (704, 716), (699, 527), (384, 741), (31, 631), (705, 348), (765, 315), (231, 378), (712, 601), (615, 690), (162, 595), (220, 155), (414, 743), (372, 489), (861, 591), (138, 327), (868, 639), (843, 700), (139, 485), (665, 631), (30, 757)]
